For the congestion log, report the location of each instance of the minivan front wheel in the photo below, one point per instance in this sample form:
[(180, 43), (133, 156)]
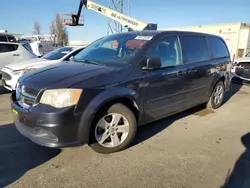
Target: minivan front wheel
[(113, 130), (217, 96)]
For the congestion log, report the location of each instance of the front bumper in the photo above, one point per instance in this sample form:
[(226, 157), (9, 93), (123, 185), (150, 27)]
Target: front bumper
[(48, 126), (9, 80), (240, 74)]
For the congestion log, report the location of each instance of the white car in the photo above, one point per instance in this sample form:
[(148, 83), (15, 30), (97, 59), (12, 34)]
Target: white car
[(241, 70), (12, 72), (14, 53)]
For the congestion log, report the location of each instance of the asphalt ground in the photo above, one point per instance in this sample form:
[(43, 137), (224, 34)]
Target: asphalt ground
[(198, 148)]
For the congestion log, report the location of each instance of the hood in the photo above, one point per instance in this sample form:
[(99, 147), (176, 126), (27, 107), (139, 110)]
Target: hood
[(63, 75), (42, 64), (246, 59), (25, 64)]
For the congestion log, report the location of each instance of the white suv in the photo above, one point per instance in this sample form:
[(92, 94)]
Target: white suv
[(241, 69), (14, 53), (12, 72)]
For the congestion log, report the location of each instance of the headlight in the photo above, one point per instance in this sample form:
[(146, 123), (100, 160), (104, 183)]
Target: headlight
[(18, 72), (60, 98), (29, 70)]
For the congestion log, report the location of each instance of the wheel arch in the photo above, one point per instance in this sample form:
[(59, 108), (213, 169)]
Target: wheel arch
[(127, 101), (125, 96), (216, 81)]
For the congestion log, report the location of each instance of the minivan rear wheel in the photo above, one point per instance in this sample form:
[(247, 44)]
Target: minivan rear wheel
[(113, 129), (217, 96)]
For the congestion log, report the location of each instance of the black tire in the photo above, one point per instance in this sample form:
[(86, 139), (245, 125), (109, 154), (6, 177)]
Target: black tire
[(128, 114), (211, 103)]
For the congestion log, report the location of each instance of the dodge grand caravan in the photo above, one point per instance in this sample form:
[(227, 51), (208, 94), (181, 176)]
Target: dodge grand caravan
[(117, 83)]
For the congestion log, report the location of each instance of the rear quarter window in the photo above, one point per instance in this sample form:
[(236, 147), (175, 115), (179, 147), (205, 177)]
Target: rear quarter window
[(194, 49), (8, 48), (12, 47), (12, 39), (218, 47), (3, 48)]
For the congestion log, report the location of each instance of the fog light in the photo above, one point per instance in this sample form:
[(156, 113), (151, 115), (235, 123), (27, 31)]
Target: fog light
[(44, 134)]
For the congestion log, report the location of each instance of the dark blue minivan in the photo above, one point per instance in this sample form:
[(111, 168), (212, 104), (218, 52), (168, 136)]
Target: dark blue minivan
[(117, 83)]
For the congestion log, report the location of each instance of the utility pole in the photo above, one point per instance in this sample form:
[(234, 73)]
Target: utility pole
[(118, 5)]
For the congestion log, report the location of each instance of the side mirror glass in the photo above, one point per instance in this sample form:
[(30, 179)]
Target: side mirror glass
[(152, 63)]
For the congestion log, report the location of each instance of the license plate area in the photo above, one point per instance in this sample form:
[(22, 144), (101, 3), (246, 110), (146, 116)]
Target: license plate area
[(15, 112)]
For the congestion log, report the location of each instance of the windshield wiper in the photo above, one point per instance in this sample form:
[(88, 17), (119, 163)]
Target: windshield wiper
[(89, 62), (92, 62)]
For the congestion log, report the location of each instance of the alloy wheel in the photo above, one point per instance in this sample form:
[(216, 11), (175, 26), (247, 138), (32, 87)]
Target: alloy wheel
[(218, 95), (112, 130)]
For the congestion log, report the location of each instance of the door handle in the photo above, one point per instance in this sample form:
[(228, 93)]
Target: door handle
[(15, 54), (181, 73), (192, 71)]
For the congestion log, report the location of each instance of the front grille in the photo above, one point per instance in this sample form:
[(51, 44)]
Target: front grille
[(245, 65), (26, 97), (30, 91), (6, 76)]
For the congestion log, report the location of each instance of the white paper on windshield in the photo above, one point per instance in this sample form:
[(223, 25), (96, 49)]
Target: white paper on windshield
[(143, 37)]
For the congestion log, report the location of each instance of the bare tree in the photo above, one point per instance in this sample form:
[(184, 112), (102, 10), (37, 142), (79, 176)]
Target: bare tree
[(52, 28), (58, 29), (37, 28)]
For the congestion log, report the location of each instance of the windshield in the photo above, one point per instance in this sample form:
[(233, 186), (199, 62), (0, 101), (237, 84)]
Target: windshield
[(113, 50), (58, 53), (248, 54)]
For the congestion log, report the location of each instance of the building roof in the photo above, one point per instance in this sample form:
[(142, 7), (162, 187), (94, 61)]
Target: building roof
[(211, 25)]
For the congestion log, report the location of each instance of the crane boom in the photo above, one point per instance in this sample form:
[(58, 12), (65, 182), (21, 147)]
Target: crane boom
[(124, 20)]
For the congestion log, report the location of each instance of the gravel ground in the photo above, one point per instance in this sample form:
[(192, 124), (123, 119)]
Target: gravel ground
[(198, 148)]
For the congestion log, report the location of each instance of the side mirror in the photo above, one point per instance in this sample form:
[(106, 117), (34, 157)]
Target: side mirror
[(152, 63)]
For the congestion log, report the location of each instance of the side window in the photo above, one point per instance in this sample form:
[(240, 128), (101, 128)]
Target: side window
[(11, 39), (12, 47), (3, 39), (8, 48), (3, 48), (168, 49), (218, 48), (194, 49)]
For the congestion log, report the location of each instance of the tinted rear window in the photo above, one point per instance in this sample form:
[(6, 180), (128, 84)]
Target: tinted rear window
[(218, 48), (194, 49)]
